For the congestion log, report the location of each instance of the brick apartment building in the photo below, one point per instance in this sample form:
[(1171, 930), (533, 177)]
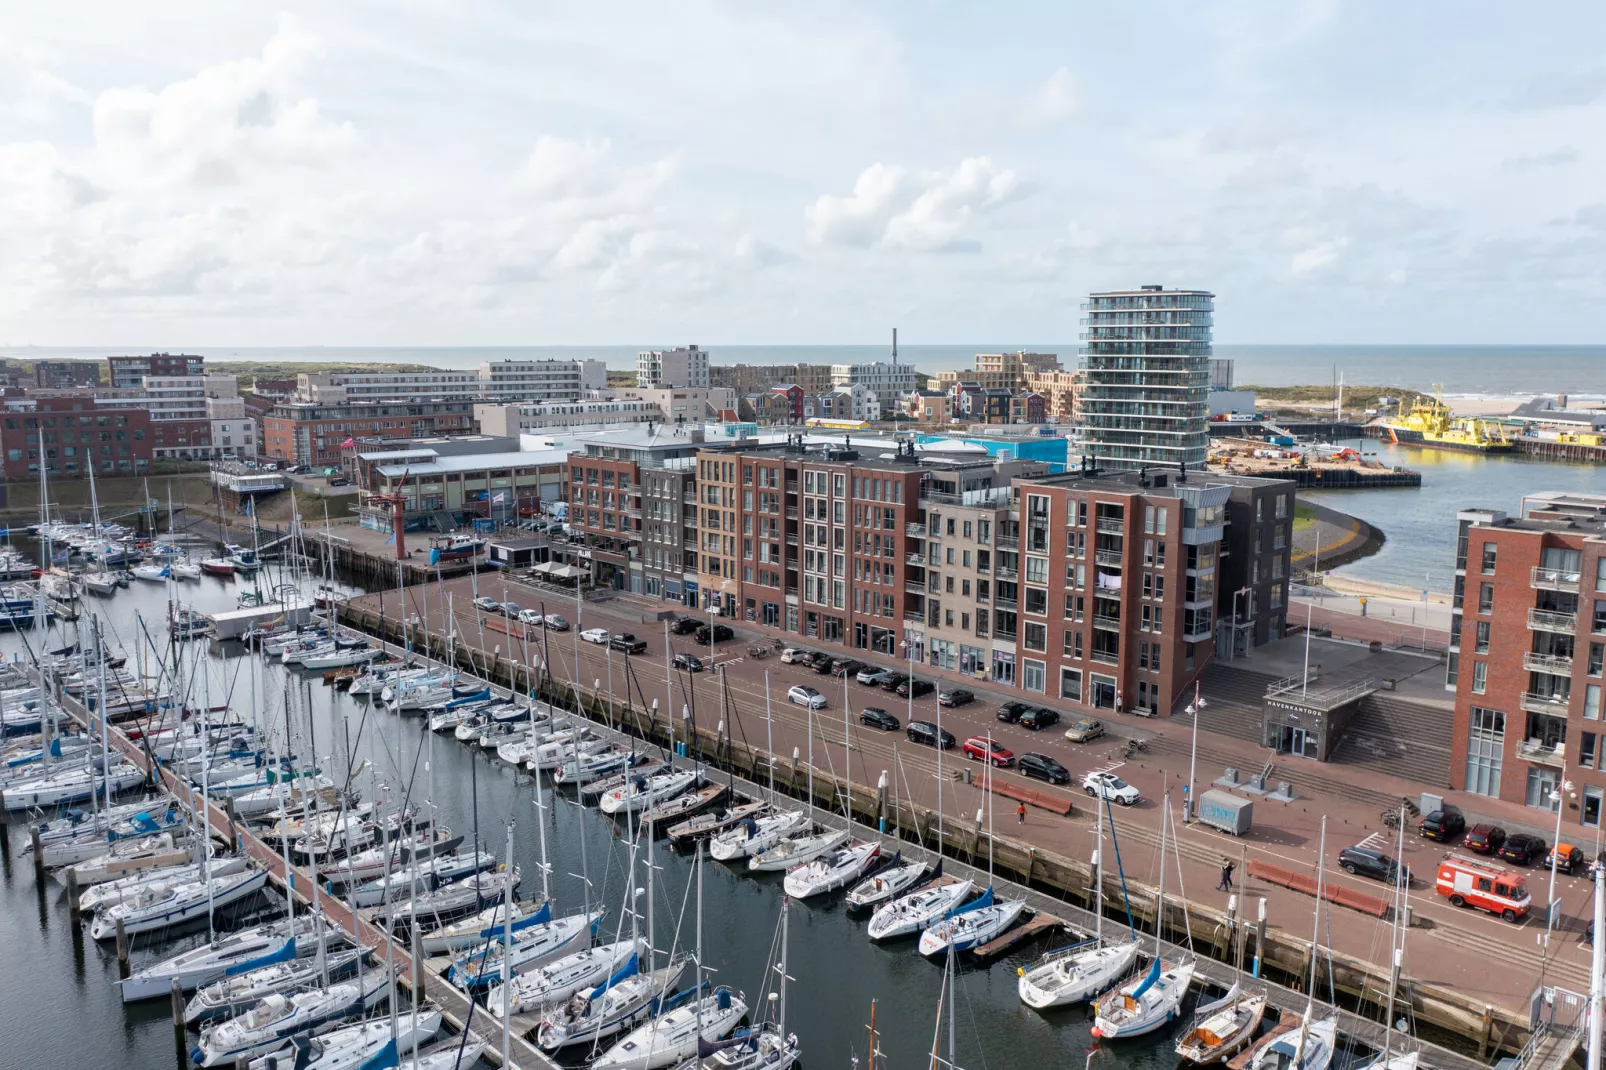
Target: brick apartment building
[(309, 433), (68, 432), (1528, 654), (65, 374), (130, 372)]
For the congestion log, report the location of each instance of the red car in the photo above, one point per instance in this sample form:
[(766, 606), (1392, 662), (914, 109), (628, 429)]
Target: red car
[(983, 749)]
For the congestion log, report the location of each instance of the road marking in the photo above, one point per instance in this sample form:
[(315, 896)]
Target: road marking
[(1375, 841)]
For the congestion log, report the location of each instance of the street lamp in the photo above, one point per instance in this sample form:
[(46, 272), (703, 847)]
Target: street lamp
[(1195, 708), (1555, 794), (1240, 591)]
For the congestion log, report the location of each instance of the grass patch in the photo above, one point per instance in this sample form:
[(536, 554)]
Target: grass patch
[(1304, 516)]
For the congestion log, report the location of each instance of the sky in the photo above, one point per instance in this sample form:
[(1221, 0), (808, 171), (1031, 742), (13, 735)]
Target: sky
[(481, 173)]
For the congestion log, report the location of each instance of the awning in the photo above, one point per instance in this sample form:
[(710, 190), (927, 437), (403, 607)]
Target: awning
[(547, 566), (569, 572)]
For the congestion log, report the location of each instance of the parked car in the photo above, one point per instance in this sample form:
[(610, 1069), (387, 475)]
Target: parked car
[(1010, 712), (845, 666), (1039, 717), (1569, 859), (627, 644), (954, 696), (914, 686), (871, 675), (983, 749), (1444, 826), (340, 481), (1044, 768), (824, 664), (688, 662), (811, 658), (806, 696), (511, 610), (556, 623), (1470, 882), (929, 734), (793, 655), (1484, 839), (489, 605), (1522, 849), (1111, 787), (1084, 730), (893, 680), (876, 717), (1370, 862), (720, 633), (595, 635), (532, 616), (685, 625)]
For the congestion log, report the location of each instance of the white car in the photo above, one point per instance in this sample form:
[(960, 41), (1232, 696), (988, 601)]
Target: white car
[(531, 616), (556, 623), (596, 635), (791, 654), (806, 696), (1110, 787)]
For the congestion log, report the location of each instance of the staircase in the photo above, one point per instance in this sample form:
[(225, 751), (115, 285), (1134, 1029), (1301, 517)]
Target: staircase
[(443, 521), (1410, 740), (1234, 699)]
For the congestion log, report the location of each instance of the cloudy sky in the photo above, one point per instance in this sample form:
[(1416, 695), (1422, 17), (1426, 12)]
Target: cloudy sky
[(433, 173)]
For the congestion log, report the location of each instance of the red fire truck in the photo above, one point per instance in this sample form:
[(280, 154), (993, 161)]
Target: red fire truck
[(1474, 882)]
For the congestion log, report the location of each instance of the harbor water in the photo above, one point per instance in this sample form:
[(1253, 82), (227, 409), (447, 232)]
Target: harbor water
[(63, 1011)]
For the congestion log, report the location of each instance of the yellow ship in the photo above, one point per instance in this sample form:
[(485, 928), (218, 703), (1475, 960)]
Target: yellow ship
[(1430, 423)]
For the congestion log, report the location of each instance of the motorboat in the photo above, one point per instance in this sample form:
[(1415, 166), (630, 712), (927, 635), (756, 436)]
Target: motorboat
[(642, 792), (674, 1034), (243, 559), (1223, 1026), (886, 883), (535, 946), (834, 869), (561, 978), (754, 834), (795, 850), (281, 1015), (910, 913), (972, 925)]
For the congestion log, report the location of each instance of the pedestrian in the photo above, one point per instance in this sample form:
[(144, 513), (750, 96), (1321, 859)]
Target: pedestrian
[(1020, 813), (1226, 876)]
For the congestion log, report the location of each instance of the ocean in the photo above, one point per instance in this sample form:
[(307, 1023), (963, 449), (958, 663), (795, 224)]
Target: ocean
[(1579, 371)]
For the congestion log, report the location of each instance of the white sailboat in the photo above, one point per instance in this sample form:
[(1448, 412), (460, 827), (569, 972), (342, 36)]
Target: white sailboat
[(237, 994), (1078, 973), (795, 850), (1312, 1045), (752, 835), (975, 923), (160, 906), (372, 1044), (226, 956), (280, 1016), (832, 870), (561, 978), (640, 793), (891, 881), (909, 914)]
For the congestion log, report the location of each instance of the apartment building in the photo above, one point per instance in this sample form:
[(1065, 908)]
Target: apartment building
[(65, 374), (684, 366), (233, 431), (752, 378), (685, 405), (930, 406), (1060, 391), (541, 380), (333, 388), (888, 382), (523, 417), (304, 432), (67, 433), (1019, 366), (628, 491), (130, 372), (1528, 655)]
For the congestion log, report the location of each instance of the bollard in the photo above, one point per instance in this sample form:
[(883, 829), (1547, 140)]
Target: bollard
[(418, 972), (122, 950), (38, 853), (234, 834), (180, 1038), (72, 891), (1260, 938)]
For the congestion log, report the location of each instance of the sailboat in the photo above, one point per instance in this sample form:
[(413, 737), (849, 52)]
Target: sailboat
[(1405, 1060), (751, 835), (1311, 1046), (978, 922), (768, 1046), (1145, 1004), (911, 913), (891, 881), (280, 1016), (1079, 972)]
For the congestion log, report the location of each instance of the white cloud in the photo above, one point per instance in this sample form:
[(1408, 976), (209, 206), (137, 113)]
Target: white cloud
[(928, 211), (1055, 100), (1317, 257)]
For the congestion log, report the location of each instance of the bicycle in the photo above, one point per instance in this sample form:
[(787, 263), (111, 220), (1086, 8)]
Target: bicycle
[(1391, 819)]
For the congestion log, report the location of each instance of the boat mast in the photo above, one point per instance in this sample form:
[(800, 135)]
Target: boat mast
[(769, 734), (1159, 899), (105, 747), (699, 997), (1315, 943), (507, 946), (1396, 941), (1098, 879), (206, 798)]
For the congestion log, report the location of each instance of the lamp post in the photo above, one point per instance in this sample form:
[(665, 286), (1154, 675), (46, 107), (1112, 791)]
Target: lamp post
[(1557, 795), (1240, 591), (714, 600), (1195, 708)]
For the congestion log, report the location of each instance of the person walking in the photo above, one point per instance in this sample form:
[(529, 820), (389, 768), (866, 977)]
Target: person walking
[(1020, 813), (1226, 875)]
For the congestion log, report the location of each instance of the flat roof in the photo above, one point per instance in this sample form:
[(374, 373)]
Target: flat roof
[(478, 462)]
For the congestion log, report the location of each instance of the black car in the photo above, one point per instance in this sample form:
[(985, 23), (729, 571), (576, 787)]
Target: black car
[(894, 681), (1043, 767), (689, 662), (914, 686), (1445, 826), (1369, 862), (929, 734), (879, 718), (824, 664), (720, 633), (685, 625), (1039, 717), (1523, 849), (845, 665), (1010, 712), (628, 644), (954, 696)]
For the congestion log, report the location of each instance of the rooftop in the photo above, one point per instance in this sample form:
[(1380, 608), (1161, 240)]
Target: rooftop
[(478, 462)]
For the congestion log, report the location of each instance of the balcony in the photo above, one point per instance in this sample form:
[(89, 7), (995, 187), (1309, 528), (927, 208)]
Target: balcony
[(791, 512), (1548, 620), (918, 560), (916, 615), (1005, 603), (1553, 705), (1556, 664), (1200, 632), (1008, 572), (915, 587), (916, 530), (1108, 557), (1106, 657), (1553, 579), (1109, 624), (791, 538), (1110, 526), (1009, 542), (1531, 750)]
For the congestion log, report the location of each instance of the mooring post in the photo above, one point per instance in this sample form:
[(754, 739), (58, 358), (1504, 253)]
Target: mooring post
[(38, 853), (122, 950), (72, 891), (1260, 938), (180, 1039)]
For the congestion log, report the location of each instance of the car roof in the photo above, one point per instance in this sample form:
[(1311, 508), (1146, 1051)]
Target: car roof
[(1483, 826)]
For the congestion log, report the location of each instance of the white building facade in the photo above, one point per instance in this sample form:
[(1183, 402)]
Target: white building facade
[(513, 420), (541, 380), (888, 382), (684, 366)]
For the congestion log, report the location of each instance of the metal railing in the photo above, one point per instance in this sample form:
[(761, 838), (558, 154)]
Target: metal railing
[(1107, 622), (1108, 557), (1558, 664), (1543, 753), (1008, 542), (916, 559), (1107, 657), (1549, 620), (1538, 702), (917, 530), (1110, 526), (1553, 579), (1007, 572)]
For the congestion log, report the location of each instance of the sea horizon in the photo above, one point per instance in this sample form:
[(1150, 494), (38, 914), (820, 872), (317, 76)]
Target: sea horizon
[(1463, 370)]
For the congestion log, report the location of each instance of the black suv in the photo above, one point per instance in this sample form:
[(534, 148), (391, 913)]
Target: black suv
[(685, 625), (1039, 717), (916, 687), (894, 681), (929, 734), (955, 696), (876, 717), (721, 633), (689, 662), (1445, 826), (1523, 849), (628, 644), (1368, 862), (1043, 767), (1010, 712)]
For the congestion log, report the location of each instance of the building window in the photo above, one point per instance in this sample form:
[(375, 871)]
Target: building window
[(1592, 702), (1597, 659), (1036, 637), (1071, 684), (1544, 788), (1488, 558), (1033, 674), (1004, 666), (1486, 598), (1483, 638), (1590, 818), (1586, 750), (1486, 742), (1480, 676)]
